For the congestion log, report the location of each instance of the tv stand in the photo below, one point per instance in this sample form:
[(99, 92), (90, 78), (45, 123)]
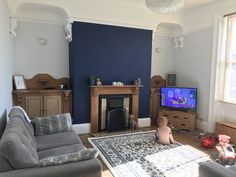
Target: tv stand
[(179, 118)]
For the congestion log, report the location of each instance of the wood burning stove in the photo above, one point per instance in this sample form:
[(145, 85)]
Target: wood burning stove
[(116, 119)]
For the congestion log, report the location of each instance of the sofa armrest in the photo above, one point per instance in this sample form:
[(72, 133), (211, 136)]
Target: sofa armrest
[(212, 169), (87, 168)]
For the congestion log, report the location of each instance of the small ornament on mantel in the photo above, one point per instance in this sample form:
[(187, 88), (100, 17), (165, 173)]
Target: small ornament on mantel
[(92, 79), (137, 82), (98, 82)]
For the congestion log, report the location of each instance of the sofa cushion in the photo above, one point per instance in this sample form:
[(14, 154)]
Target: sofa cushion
[(17, 146), (84, 154), (57, 140), (52, 124), (60, 151)]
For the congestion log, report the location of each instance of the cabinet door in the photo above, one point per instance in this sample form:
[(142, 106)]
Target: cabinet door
[(34, 106), (52, 105)]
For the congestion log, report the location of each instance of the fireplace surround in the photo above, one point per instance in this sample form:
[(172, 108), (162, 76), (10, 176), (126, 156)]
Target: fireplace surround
[(114, 111), (97, 91)]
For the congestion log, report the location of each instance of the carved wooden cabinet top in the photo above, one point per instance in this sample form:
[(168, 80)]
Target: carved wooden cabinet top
[(46, 82), (41, 91), (157, 82)]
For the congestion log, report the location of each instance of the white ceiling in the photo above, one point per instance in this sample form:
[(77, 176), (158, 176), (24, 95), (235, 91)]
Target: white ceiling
[(188, 3), (195, 3), (114, 12)]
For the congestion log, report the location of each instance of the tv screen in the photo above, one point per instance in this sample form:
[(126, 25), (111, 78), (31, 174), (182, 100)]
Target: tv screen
[(179, 98)]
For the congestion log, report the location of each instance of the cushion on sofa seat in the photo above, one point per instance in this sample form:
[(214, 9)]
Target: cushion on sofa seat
[(60, 151), (84, 154), (17, 145), (52, 124), (87, 168), (56, 140)]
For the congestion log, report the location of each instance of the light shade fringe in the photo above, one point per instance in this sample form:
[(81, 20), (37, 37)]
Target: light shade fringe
[(164, 6)]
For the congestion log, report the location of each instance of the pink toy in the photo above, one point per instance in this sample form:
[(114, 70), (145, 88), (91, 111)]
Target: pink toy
[(226, 153)]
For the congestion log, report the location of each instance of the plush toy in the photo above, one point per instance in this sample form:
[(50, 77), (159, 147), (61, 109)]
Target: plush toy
[(133, 124), (208, 142), (226, 153)]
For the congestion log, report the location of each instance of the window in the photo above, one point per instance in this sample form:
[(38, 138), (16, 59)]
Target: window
[(228, 77)]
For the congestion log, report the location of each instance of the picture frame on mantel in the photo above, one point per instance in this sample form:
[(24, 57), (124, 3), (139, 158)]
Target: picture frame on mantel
[(19, 82)]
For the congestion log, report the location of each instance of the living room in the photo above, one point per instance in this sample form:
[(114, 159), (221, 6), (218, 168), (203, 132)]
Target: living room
[(119, 42)]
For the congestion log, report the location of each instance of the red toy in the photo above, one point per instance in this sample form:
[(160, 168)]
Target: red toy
[(208, 142)]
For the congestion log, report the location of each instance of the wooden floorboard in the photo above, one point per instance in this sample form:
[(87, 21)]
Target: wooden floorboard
[(184, 137)]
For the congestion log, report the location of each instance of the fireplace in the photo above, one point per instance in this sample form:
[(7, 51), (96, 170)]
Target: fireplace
[(114, 111), (98, 92)]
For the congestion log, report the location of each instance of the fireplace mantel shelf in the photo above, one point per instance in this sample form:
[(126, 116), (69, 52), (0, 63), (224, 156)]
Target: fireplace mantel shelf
[(115, 86), (96, 91)]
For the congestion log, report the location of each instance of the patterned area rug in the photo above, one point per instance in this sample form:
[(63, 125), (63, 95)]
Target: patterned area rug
[(106, 133), (139, 155)]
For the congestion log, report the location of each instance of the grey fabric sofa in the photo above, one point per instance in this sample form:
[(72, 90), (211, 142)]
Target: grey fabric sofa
[(28, 149), (212, 169)]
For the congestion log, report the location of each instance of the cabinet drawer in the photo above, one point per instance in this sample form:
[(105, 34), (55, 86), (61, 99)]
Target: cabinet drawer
[(175, 116), (183, 125), (171, 122), (164, 113), (185, 117)]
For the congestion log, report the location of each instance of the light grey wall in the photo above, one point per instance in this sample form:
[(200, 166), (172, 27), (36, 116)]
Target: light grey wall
[(193, 66), (162, 60), (31, 58), (6, 60)]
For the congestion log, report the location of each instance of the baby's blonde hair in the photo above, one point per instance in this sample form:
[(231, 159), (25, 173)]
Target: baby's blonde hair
[(162, 121)]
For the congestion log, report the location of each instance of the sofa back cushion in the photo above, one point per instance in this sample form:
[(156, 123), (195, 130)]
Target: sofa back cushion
[(17, 145), (19, 112), (52, 124)]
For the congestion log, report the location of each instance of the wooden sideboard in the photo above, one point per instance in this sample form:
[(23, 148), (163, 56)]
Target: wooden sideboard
[(38, 103), (226, 128), (43, 96), (180, 119), (156, 83)]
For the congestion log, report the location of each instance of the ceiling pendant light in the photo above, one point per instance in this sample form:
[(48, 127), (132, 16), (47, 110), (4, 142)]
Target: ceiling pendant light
[(164, 6)]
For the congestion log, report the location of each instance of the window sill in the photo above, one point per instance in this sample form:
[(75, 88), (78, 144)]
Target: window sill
[(227, 102)]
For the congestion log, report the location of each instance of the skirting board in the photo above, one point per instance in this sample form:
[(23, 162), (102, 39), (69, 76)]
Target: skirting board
[(85, 128), (82, 128), (144, 122), (202, 125)]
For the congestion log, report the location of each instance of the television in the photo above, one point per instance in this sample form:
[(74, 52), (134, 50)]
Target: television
[(178, 98)]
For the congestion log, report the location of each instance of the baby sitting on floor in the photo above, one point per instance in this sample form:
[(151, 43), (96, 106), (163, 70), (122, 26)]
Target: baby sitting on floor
[(163, 132)]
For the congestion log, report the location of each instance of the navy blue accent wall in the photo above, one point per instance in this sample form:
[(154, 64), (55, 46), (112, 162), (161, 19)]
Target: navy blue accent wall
[(113, 54)]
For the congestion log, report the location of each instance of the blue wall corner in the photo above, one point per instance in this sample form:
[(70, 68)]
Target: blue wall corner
[(112, 54)]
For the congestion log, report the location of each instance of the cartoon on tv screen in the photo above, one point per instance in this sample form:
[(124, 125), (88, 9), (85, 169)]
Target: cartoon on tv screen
[(179, 97)]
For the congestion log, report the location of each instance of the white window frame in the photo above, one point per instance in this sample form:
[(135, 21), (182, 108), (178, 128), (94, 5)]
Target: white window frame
[(228, 61)]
